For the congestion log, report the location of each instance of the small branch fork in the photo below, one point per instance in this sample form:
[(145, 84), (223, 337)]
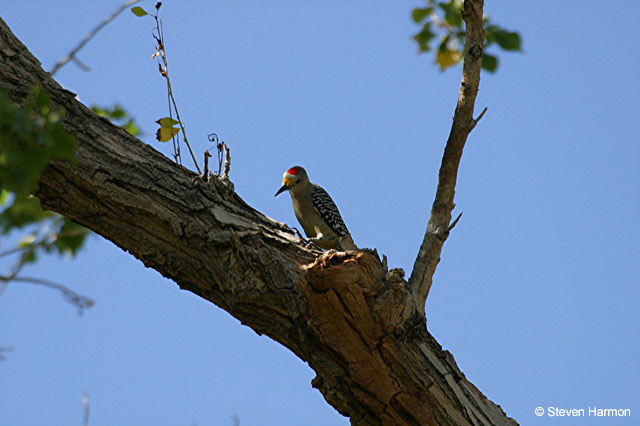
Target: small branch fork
[(474, 121), (78, 300), (72, 55), (439, 224), (453, 224)]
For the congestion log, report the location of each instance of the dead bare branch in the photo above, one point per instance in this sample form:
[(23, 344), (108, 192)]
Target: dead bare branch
[(440, 217), (79, 301), (87, 39)]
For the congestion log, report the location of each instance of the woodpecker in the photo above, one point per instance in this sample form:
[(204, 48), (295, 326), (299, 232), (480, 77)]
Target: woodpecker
[(316, 211)]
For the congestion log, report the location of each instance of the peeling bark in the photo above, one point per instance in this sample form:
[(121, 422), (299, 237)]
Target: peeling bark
[(357, 325)]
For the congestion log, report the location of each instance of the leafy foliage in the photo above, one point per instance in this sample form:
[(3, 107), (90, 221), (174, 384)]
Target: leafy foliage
[(46, 232), (424, 37), (29, 138), (21, 212), (444, 20), (118, 116), (507, 40)]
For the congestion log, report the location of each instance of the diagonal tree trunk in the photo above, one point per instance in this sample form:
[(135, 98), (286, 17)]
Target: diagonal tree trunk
[(361, 328)]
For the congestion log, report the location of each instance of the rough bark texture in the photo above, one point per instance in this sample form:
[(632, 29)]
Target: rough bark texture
[(357, 325)]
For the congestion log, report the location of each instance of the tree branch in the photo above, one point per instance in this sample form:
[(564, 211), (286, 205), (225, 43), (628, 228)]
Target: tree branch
[(79, 301), (356, 325), (75, 50), (439, 225)]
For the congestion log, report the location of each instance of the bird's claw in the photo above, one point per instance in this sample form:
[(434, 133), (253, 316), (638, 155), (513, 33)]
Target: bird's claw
[(311, 243)]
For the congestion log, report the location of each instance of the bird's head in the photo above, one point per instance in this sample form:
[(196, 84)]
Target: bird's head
[(291, 178)]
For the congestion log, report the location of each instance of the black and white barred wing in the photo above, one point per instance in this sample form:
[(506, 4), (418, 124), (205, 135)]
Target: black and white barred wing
[(328, 210)]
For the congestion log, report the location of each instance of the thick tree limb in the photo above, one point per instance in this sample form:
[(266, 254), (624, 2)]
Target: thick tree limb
[(438, 226), (358, 327)]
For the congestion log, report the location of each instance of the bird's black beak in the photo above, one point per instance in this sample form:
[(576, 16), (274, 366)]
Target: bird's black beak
[(282, 189)]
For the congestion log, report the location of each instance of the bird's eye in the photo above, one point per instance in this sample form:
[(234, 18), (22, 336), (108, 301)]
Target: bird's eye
[(298, 181)]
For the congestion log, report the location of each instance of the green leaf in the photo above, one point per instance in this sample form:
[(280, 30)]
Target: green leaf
[(118, 113), (24, 211), (70, 237), (424, 38), (507, 40), (63, 146), (452, 13), (28, 256), (444, 44), (29, 137), (489, 62), (99, 111), (418, 15), (119, 116), (131, 128), (138, 11), (27, 240), (166, 122)]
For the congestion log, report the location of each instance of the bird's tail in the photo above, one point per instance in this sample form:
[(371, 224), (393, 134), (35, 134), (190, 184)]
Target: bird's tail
[(346, 243)]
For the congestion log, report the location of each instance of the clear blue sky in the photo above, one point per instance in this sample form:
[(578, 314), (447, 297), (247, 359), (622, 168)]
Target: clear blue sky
[(538, 288)]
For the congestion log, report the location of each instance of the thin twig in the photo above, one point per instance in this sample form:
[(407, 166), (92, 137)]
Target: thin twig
[(84, 67), (88, 38), (223, 155), (80, 301), (16, 250), (4, 349), (175, 107), (220, 156), (47, 240), (453, 224), (165, 73), (85, 406), (475, 120), (294, 229)]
